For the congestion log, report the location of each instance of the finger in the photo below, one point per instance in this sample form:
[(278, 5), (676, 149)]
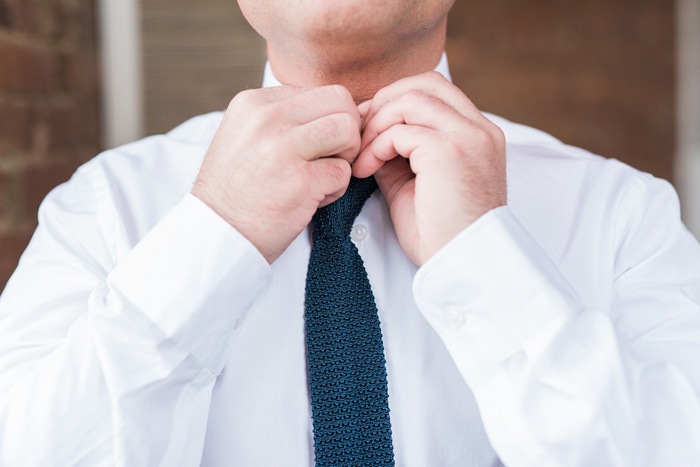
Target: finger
[(277, 93), (337, 134), (392, 177), (399, 140), (261, 101), (414, 108), (314, 103), (364, 107), (431, 83), (251, 101), (331, 177)]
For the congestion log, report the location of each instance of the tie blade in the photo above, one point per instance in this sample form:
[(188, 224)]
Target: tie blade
[(346, 362)]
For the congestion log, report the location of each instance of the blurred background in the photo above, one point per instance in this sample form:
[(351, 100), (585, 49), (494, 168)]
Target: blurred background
[(618, 77)]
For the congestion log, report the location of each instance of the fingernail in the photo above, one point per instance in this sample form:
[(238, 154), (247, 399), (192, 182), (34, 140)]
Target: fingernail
[(364, 107)]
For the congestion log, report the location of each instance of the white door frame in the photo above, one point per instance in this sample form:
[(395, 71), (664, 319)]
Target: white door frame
[(687, 163), (122, 81)]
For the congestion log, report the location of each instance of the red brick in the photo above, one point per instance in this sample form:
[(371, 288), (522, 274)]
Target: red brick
[(74, 24), (3, 197), (38, 180), (596, 74), (79, 73), (89, 123), (11, 212), (12, 245), (26, 68), (87, 24), (14, 126), (48, 109), (59, 20), (5, 14), (27, 16), (62, 126)]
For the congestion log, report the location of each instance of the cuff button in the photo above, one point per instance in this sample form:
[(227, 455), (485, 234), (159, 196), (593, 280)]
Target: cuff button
[(455, 317)]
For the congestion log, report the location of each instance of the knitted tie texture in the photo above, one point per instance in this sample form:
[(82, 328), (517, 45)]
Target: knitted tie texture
[(347, 368)]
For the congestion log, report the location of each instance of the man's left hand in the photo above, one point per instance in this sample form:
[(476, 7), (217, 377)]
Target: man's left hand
[(456, 160)]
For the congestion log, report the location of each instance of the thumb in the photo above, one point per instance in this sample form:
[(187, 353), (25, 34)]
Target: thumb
[(393, 176), (364, 107), (331, 177)]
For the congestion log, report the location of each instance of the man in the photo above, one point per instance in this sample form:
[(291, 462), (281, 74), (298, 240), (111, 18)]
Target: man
[(157, 317)]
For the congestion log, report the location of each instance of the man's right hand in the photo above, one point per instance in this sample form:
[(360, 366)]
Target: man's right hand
[(279, 154)]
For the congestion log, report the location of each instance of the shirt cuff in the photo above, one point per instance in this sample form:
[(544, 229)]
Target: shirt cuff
[(491, 292), (195, 277)]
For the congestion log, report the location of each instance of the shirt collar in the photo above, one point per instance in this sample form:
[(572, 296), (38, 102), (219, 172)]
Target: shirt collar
[(270, 80)]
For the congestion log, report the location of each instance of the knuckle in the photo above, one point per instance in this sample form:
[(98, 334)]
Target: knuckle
[(346, 123), (342, 92), (338, 126), (310, 133), (335, 93), (349, 127), (499, 137), (257, 119), (297, 183), (329, 128), (415, 95), (339, 172), (453, 146), (482, 138), (247, 108), (435, 76), (243, 99), (382, 94)]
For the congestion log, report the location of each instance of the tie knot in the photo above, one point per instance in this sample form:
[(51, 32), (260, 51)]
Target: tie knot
[(336, 219)]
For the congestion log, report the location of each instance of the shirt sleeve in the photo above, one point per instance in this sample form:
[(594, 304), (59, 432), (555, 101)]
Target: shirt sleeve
[(114, 364), (558, 383)]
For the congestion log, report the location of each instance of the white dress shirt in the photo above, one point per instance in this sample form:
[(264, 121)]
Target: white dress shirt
[(140, 329)]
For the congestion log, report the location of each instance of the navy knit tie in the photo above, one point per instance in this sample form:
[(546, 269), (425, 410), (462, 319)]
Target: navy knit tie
[(347, 371)]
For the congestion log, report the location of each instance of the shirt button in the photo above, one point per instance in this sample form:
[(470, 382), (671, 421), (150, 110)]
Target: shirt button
[(455, 318), (359, 232)]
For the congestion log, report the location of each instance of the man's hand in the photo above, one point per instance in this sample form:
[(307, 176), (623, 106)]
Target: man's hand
[(279, 154), (456, 170)]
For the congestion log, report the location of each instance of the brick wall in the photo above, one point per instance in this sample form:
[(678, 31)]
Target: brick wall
[(48, 109), (597, 74)]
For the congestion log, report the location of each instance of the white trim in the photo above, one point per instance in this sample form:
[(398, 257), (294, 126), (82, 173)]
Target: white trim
[(687, 173), (122, 81)]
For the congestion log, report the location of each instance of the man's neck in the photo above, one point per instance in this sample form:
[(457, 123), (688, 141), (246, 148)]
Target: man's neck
[(363, 70)]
